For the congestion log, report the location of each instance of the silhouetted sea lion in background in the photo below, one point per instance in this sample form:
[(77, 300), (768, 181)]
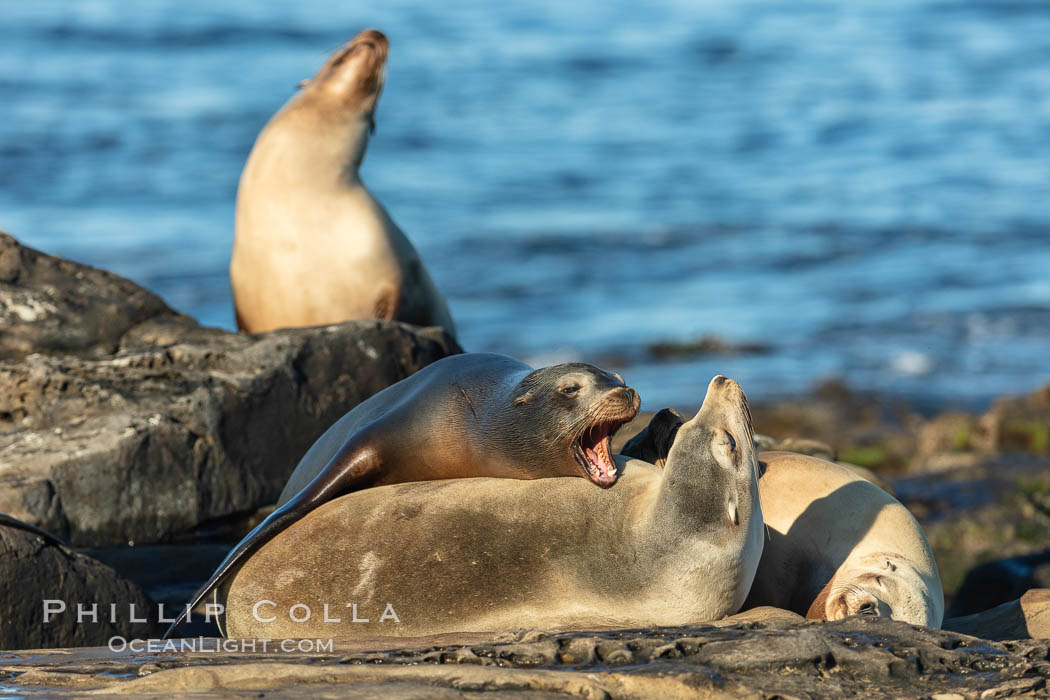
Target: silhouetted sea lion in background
[(652, 443), (313, 246), (475, 414)]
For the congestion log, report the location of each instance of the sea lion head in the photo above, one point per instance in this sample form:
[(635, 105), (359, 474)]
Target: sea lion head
[(352, 78), (883, 584), (582, 406), (720, 434), (654, 441)]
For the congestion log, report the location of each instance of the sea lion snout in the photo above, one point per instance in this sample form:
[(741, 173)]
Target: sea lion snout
[(374, 43), (355, 74), (725, 385), (615, 407), (374, 36), (629, 397)]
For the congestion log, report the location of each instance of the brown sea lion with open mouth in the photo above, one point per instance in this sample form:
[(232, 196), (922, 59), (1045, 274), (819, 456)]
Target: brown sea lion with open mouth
[(476, 414)]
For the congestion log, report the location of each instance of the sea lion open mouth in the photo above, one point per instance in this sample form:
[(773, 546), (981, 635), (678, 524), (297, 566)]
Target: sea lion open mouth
[(593, 451)]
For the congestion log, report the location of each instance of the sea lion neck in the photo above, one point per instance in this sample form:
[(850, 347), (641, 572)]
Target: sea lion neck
[(710, 476), (692, 493), (319, 139), (508, 439)]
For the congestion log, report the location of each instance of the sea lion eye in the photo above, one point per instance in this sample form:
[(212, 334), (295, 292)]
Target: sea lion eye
[(868, 609), (732, 442), (570, 389)]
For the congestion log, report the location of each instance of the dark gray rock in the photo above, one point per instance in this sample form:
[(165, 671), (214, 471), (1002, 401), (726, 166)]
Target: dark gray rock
[(1001, 581), (133, 423), (36, 569), (52, 305)]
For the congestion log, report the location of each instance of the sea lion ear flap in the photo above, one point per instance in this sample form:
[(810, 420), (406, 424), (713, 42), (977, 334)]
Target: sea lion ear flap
[(817, 608), (303, 83), (537, 378)]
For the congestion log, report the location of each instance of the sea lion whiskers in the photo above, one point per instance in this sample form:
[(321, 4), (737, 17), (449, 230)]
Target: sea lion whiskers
[(750, 430)]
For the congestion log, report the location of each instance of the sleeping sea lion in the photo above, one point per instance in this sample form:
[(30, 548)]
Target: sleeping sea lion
[(662, 547), (475, 414), (838, 544), (312, 245)]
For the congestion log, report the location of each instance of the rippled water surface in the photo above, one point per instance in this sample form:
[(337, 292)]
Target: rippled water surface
[(862, 187)]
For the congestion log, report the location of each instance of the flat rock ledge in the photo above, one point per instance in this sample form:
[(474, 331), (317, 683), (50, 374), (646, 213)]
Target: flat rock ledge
[(778, 657), (123, 421)]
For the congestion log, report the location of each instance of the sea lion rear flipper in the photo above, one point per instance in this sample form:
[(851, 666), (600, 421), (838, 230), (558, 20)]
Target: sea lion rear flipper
[(353, 467), (653, 442), (11, 521)]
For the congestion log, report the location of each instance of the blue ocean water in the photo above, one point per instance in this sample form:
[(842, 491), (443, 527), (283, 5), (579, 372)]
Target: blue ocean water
[(863, 186)]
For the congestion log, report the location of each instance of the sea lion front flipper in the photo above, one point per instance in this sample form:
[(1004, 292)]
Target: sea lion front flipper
[(653, 442), (353, 467), (387, 302)]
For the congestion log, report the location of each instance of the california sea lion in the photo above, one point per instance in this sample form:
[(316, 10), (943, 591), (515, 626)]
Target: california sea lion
[(312, 245), (838, 544), (476, 414), (661, 547)]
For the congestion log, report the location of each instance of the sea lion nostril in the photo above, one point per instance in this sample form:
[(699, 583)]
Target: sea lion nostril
[(630, 397)]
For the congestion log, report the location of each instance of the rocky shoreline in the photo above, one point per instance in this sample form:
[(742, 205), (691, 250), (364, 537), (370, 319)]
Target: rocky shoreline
[(753, 656), (141, 426), (130, 431)]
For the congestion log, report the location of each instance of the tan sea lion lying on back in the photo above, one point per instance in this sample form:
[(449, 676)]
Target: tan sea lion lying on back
[(838, 544), (313, 246)]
